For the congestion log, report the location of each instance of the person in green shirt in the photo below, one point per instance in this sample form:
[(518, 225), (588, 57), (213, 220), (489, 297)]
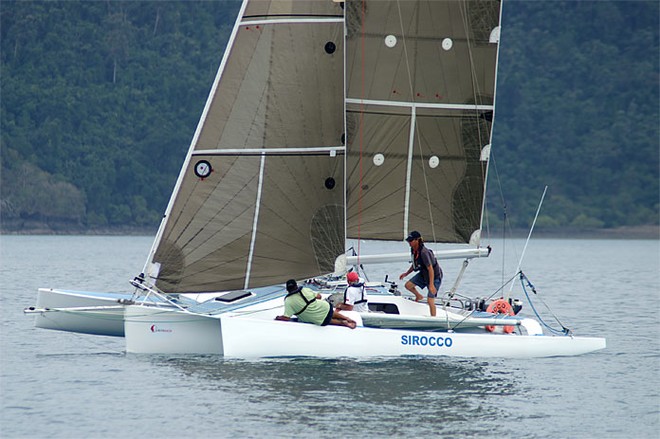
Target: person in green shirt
[(308, 306)]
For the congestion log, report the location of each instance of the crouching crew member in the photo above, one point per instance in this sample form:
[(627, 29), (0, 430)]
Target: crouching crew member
[(308, 307), (355, 296)]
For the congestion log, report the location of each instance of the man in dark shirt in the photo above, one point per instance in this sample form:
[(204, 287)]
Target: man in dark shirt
[(429, 271)]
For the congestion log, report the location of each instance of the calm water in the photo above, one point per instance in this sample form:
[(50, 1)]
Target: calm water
[(55, 384)]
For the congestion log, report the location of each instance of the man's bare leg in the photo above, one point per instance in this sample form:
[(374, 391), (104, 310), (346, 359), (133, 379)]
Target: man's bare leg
[(413, 289), (431, 302), (342, 320)]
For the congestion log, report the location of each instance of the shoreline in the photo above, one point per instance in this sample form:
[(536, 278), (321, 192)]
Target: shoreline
[(624, 232), (651, 232)]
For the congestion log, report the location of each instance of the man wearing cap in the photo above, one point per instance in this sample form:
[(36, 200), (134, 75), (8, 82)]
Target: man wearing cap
[(429, 271), (355, 296), (308, 307)]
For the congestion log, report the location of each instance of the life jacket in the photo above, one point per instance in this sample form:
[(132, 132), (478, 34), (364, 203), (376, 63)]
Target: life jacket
[(307, 302), (362, 299), (417, 258), (415, 262)]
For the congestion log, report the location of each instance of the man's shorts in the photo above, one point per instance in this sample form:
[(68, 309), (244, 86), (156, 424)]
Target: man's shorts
[(419, 280), (327, 319)]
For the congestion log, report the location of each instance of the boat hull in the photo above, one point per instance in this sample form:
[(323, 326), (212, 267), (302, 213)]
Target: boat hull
[(247, 338), (171, 332), (158, 331), (71, 311)]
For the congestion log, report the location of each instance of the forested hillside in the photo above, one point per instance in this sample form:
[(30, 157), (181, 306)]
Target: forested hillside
[(99, 101), (577, 110)]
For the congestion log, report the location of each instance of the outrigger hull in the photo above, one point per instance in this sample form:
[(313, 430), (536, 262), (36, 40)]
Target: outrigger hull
[(81, 312), (239, 336), (88, 312)]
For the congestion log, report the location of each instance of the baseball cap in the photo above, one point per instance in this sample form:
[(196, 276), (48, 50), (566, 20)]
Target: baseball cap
[(291, 285), (413, 235)]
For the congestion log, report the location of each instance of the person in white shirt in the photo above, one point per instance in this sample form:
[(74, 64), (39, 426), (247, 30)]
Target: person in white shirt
[(355, 295)]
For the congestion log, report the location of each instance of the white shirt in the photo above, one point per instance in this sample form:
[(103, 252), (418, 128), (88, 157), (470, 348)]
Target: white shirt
[(354, 294)]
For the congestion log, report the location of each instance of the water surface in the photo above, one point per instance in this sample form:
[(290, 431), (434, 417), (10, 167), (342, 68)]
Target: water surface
[(56, 384)]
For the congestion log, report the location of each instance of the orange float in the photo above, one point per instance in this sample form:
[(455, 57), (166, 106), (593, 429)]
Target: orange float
[(500, 306)]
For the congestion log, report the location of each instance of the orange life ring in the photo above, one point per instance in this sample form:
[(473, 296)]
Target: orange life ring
[(500, 306)]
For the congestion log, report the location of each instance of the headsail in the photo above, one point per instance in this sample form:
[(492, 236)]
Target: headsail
[(420, 93), (260, 197)]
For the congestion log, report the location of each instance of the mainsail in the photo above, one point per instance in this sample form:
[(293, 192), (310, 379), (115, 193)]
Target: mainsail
[(419, 101), (261, 196)]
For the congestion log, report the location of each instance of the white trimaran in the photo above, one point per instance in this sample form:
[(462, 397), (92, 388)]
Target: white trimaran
[(327, 120)]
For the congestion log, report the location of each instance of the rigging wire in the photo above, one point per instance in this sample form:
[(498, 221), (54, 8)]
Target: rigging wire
[(506, 224), (565, 330), (476, 93), (525, 280), (361, 126), (475, 84), (415, 126), (487, 298), (530, 232)]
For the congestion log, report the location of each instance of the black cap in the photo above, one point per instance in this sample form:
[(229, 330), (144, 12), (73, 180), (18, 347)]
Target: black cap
[(291, 285), (413, 235)]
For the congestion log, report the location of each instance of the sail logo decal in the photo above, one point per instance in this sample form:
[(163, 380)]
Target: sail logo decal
[(424, 340), (155, 329)]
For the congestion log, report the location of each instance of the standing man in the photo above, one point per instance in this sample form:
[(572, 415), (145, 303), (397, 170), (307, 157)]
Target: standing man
[(355, 296), (429, 271)]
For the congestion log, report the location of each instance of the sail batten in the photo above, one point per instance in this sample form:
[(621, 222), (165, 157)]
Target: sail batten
[(292, 20), (411, 146), (271, 151), (248, 268), (417, 104)]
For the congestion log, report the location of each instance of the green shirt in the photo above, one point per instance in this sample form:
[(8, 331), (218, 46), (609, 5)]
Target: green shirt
[(315, 313)]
